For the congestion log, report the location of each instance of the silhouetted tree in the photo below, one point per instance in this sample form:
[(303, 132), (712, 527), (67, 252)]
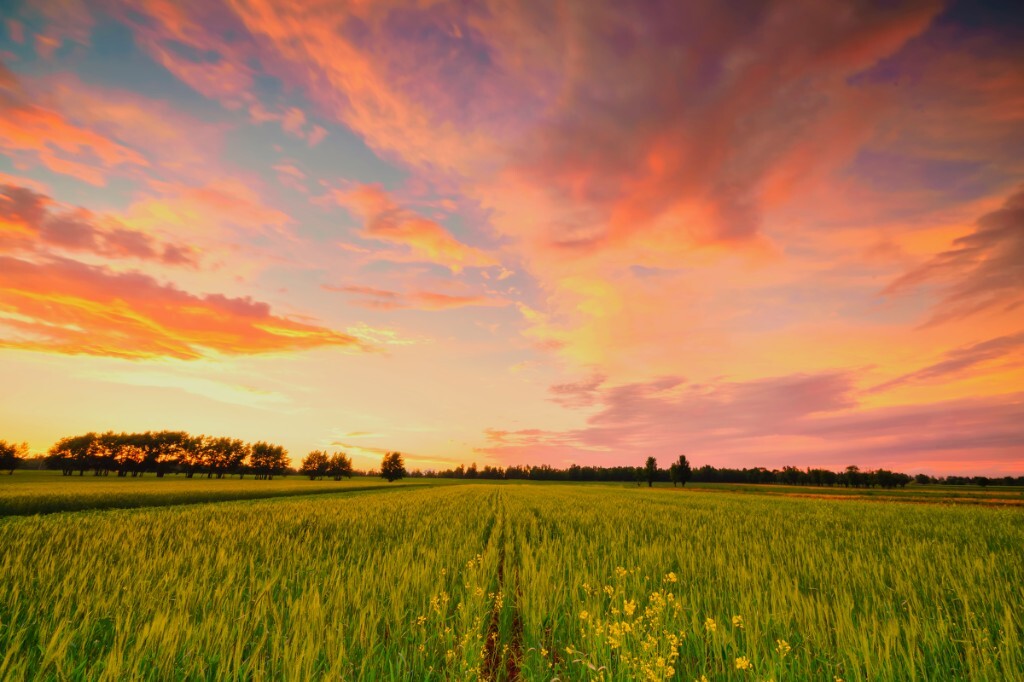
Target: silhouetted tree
[(651, 470), (268, 460), (222, 455), (680, 471), (128, 456), (191, 457), (165, 449), (339, 465), (71, 454), (791, 476), (11, 454), (852, 477), (314, 464), (393, 466)]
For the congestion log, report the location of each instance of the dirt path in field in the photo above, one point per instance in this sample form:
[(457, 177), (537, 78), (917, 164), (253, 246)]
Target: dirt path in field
[(501, 659)]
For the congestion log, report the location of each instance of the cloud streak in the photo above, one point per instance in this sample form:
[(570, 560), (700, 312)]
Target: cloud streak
[(803, 419), (46, 137), (984, 271), (423, 239), (62, 306), (383, 299), (29, 220)]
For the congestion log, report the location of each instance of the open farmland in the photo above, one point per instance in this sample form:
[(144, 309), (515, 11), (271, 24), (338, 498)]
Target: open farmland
[(44, 492), (515, 582)]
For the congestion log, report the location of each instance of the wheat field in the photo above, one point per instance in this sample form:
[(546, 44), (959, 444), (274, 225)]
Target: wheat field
[(515, 581)]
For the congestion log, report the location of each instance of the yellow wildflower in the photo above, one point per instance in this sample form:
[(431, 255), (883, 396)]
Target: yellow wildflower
[(737, 622), (782, 646), (710, 625), (584, 615), (628, 608), (670, 577), (743, 663)]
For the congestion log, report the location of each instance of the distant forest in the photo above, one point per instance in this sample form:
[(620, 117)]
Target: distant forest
[(176, 452)]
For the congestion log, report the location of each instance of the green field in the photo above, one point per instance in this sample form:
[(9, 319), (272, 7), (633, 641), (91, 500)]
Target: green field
[(509, 581), (44, 492)]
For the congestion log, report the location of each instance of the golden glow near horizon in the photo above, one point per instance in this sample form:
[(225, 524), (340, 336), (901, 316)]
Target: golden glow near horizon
[(518, 234)]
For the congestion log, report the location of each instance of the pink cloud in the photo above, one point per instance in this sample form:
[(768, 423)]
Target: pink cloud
[(30, 221), (425, 240), (384, 299), (805, 419), (16, 30), (982, 272), (293, 121), (188, 148), (964, 361), (316, 135), (202, 44)]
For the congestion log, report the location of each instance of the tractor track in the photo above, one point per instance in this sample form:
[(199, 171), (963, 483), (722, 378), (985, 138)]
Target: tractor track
[(501, 658)]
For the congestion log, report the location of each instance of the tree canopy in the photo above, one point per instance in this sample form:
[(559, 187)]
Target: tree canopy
[(11, 454), (680, 471), (393, 467)]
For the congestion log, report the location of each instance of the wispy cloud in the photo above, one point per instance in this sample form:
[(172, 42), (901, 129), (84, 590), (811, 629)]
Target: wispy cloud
[(807, 420), (383, 299), (44, 136), (29, 220), (425, 239), (984, 271)]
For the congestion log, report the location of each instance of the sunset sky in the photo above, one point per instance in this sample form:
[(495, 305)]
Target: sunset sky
[(757, 233)]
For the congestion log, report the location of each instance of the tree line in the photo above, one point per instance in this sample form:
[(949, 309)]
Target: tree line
[(850, 477), (162, 452), (177, 452)]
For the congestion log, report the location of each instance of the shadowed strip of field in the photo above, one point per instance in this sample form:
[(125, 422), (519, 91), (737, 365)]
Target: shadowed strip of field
[(45, 504)]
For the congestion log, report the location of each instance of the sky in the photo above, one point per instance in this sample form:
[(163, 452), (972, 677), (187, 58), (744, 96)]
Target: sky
[(543, 232)]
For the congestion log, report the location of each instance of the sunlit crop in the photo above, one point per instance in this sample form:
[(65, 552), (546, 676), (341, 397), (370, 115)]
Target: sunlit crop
[(680, 586), (515, 582)]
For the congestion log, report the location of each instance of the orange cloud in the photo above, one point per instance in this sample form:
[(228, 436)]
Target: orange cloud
[(219, 207), (62, 306), (46, 136), (426, 240)]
